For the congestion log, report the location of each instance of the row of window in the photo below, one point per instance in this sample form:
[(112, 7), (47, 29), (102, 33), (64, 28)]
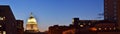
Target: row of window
[(84, 23), (107, 28)]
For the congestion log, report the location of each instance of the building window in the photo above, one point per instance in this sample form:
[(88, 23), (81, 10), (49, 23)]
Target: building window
[(105, 28), (110, 28), (114, 28), (73, 21), (78, 23), (106, 7), (4, 32), (2, 18), (0, 32), (99, 28), (105, 14), (0, 25), (105, 3)]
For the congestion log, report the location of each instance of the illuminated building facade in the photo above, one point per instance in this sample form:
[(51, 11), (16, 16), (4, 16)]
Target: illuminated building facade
[(32, 26), (94, 26), (8, 23)]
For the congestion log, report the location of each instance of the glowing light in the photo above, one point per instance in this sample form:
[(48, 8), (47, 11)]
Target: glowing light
[(110, 28), (32, 24), (0, 25), (105, 28), (81, 25), (4, 32), (99, 28), (93, 29), (114, 28), (31, 21), (1, 18)]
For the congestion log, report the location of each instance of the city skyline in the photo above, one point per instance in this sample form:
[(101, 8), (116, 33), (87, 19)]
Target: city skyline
[(54, 12)]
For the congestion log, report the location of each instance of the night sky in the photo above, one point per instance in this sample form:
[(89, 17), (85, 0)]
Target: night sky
[(52, 12)]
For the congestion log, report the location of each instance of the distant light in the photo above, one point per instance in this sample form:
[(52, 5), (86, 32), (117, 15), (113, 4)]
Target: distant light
[(81, 25), (0, 25), (99, 28), (1, 18), (110, 28), (105, 28), (114, 28), (4, 32), (93, 29)]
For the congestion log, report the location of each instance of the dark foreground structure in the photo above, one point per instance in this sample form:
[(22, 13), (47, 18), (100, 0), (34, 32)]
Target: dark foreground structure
[(8, 23)]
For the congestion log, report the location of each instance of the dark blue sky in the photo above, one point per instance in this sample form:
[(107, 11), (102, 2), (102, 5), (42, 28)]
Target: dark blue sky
[(52, 12)]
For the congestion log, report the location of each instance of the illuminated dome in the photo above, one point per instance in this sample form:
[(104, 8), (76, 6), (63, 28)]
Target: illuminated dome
[(31, 20), (32, 25)]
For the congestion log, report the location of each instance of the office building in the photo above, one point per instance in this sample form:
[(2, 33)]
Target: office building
[(8, 23)]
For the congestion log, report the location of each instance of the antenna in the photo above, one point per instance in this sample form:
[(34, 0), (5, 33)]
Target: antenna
[(31, 14)]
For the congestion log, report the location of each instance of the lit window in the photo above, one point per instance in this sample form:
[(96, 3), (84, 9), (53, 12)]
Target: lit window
[(0, 25), (72, 20), (2, 18), (110, 28), (4, 32), (99, 28), (105, 28), (114, 28), (78, 23), (81, 25)]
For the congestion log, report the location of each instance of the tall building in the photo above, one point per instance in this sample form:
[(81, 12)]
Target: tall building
[(8, 23), (32, 26), (112, 11)]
